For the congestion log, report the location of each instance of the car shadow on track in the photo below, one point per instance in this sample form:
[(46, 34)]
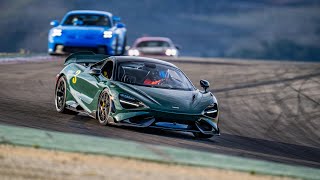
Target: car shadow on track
[(241, 146), (167, 133), (225, 144)]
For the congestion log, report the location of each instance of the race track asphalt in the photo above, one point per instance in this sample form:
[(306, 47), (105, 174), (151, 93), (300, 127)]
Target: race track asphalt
[(269, 110)]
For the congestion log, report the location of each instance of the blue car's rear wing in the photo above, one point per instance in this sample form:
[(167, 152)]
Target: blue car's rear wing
[(87, 58)]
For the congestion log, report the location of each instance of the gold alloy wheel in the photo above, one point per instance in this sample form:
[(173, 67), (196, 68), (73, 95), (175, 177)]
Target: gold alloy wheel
[(104, 108)]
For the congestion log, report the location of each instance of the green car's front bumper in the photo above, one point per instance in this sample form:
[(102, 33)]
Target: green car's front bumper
[(168, 120)]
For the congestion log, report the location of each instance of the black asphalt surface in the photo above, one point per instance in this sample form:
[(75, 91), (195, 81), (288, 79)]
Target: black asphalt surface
[(269, 110)]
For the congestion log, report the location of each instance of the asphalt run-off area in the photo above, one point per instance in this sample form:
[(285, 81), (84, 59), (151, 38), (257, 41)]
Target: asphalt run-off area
[(269, 114)]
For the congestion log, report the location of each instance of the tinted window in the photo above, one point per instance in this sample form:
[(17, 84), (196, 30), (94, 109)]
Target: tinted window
[(87, 20), (153, 44), (153, 75)]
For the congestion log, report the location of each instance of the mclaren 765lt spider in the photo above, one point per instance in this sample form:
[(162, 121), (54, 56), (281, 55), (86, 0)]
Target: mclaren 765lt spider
[(135, 91)]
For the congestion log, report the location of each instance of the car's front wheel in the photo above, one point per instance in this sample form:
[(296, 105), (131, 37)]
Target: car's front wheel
[(103, 109)]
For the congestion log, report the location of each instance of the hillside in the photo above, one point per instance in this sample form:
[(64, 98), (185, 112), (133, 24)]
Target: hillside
[(265, 29)]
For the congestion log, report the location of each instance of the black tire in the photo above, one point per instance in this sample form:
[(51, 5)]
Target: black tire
[(117, 44), (103, 107), (201, 135), (124, 46), (61, 96), (53, 54)]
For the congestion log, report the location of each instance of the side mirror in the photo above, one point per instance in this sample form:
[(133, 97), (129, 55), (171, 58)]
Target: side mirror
[(95, 72), (204, 84), (54, 23), (177, 46), (120, 25)]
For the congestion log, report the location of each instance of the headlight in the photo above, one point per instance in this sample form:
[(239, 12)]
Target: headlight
[(171, 52), (107, 34), (211, 111), (56, 32), (133, 52), (129, 102)]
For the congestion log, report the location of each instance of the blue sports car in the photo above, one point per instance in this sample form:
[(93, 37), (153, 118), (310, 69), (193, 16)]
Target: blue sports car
[(85, 30)]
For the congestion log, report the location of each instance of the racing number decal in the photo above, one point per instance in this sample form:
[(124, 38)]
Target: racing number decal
[(74, 79)]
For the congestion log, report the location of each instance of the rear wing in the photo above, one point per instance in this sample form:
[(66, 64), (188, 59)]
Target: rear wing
[(86, 58)]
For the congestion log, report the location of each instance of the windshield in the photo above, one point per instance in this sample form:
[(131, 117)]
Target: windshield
[(153, 44), (153, 75), (87, 20)]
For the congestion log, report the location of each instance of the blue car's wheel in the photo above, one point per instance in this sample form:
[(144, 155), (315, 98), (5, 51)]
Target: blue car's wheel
[(124, 44), (116, 47), (123, 48)]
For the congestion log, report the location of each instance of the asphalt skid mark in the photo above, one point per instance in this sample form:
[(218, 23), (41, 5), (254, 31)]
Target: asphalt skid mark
[(269, 82)]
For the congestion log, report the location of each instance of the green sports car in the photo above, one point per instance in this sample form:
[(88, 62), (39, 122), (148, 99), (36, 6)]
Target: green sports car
[(135, 91)]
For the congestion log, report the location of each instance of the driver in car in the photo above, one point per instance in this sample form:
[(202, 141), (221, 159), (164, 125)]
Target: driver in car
[(155, 77)]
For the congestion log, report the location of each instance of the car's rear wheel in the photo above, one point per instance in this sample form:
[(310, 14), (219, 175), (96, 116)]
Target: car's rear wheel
[(61, 96), (201, 135), (103, 111)]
